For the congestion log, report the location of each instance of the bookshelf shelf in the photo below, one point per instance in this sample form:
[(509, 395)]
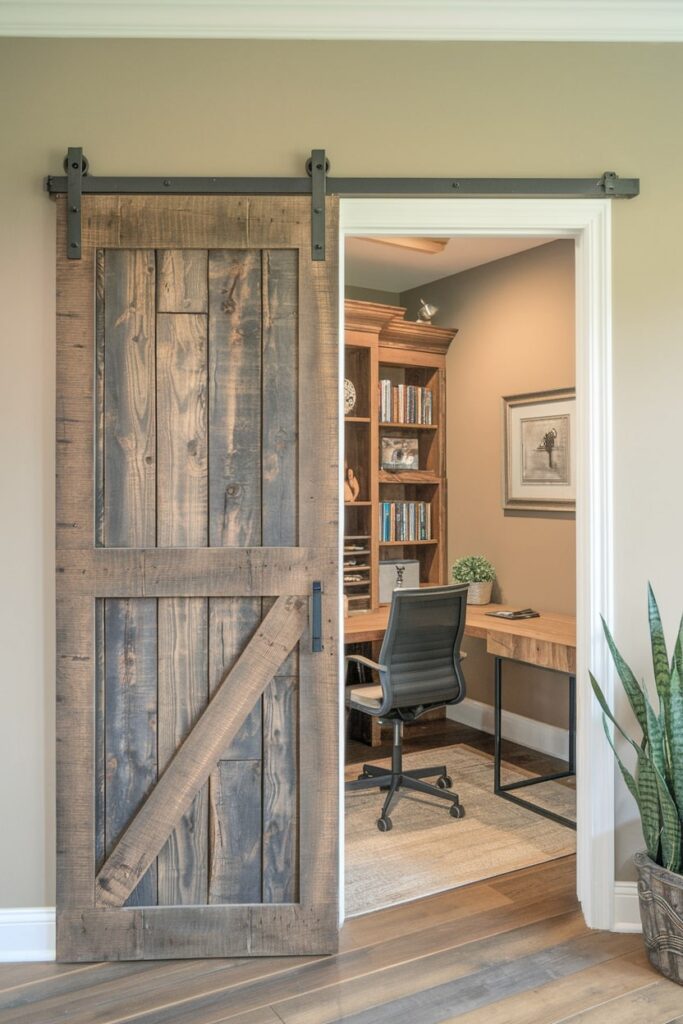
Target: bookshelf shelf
[(409, 476), (380, 344), (407, 426)]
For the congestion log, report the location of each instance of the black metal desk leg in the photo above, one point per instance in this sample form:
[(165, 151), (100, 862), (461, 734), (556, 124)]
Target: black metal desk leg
[(497, 716), (504, 789), (572, 725)]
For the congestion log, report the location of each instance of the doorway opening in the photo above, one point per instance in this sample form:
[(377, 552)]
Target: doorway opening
[(522, 287)]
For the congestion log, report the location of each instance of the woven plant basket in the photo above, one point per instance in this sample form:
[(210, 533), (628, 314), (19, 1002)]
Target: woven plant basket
[(660, 894), (479, 593)]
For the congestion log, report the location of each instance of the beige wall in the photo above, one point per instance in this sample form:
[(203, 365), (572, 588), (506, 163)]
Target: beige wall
[(515, 320), (372, 295), (219, 107)]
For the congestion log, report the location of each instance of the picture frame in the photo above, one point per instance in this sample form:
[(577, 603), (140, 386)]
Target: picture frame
[(399, 453), (539, 451)]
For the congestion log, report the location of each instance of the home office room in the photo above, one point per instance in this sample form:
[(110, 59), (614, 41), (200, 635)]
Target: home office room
[(459, 569)]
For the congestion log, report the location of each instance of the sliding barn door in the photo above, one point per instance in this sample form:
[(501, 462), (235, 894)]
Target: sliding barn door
[(196, 508)]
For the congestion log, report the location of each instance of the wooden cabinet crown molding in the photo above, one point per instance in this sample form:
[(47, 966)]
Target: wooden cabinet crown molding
[(394, 331)]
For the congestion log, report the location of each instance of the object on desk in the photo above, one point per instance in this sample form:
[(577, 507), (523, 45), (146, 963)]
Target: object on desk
[(479, 573), (521, 613), (351, 485), (396, 574)]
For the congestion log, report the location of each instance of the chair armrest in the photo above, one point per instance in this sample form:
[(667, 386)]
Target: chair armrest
[(362, 660)]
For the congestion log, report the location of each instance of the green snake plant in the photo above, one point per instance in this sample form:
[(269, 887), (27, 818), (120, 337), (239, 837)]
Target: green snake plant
[(657, 786)]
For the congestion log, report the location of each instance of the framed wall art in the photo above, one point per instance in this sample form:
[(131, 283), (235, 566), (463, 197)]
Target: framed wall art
[(539, 451)]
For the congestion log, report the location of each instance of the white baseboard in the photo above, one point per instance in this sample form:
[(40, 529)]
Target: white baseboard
[(548, 739), (27, 933), (626, 909)]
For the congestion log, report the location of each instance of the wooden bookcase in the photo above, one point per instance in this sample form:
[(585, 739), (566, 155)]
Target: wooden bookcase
[(381, 344)]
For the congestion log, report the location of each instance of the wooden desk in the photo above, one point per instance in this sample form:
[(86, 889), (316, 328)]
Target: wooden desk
[(547, 642)]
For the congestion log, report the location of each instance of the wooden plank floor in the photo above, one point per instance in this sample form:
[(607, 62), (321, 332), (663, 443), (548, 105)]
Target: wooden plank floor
[(512, 950)]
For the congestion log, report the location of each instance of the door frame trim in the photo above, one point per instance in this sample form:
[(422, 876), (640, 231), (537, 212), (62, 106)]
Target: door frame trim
[(589, 223)]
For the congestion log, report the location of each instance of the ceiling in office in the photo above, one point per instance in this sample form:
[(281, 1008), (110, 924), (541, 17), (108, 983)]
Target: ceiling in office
[(393, 269)]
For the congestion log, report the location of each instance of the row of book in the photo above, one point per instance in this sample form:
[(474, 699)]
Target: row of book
[(404, 403), (405, 520)]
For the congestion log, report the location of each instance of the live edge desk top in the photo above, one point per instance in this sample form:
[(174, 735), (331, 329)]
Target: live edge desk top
[(547, 642)]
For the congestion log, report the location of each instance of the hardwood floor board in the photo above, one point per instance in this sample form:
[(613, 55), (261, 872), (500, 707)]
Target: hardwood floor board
[(173, 983), (424, 971), (545, 1005), (659, 1003), (332, 971), (521, 887), (512, 950), (483, 987), (61, 981)]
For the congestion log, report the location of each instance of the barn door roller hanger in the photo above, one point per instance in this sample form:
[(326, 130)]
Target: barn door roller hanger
[(77, 182)]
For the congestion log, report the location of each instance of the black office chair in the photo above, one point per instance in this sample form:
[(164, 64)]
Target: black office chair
[(419, 669)]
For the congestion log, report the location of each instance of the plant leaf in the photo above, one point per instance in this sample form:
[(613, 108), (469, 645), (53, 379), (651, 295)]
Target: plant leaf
[(677, 660), (631, 685), (649, 820), (675, 737), (671, 824), (655, 739), (649, 804), (606, 711), (660, 657)]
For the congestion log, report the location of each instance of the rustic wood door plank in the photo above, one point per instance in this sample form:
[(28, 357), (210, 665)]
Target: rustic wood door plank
[(201, 751)]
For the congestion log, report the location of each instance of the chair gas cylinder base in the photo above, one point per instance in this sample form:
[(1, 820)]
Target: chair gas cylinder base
[(419, 669), (374, 777)]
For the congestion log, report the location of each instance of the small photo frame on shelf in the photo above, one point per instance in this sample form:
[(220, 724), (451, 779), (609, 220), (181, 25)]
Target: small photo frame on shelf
[(400, 453), (539, 451)]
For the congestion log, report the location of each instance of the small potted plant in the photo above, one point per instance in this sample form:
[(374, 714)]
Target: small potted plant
[(657, 788), (479, 573)]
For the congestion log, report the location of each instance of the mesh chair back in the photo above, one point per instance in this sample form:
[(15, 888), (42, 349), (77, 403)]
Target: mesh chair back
[(421, 647)]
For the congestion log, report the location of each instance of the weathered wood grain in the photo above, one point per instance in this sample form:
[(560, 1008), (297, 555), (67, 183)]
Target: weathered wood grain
[(280, 396), (280, 399), (75, 713), (182, 695), (75, 413), (182, 502), (191, 572), (100, 324), (232, 624), (318, 524), (130, 719), (201, 751), (182, 487), (182, 281), (235, 398), (129, 400), (235, 788), (280, 804)]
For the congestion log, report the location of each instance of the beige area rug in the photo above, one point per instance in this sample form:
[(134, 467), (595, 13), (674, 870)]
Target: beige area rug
[(428, 851)]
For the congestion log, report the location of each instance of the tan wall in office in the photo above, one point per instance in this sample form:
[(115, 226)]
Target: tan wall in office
[(219, 107), (372, 295), (515, 320)]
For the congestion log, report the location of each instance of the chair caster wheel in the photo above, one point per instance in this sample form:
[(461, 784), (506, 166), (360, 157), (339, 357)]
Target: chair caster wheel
[(384, 824), (457, 811), (444, 782)]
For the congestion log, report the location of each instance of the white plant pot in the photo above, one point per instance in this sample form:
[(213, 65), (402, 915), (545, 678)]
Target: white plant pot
[(479, 593)]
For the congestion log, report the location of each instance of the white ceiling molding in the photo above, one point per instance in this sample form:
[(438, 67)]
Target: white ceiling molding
[(487, 20)]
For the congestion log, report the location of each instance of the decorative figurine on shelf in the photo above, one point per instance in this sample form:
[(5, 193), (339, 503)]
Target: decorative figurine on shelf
[(351, 485), (349, 396), (426, 312)]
